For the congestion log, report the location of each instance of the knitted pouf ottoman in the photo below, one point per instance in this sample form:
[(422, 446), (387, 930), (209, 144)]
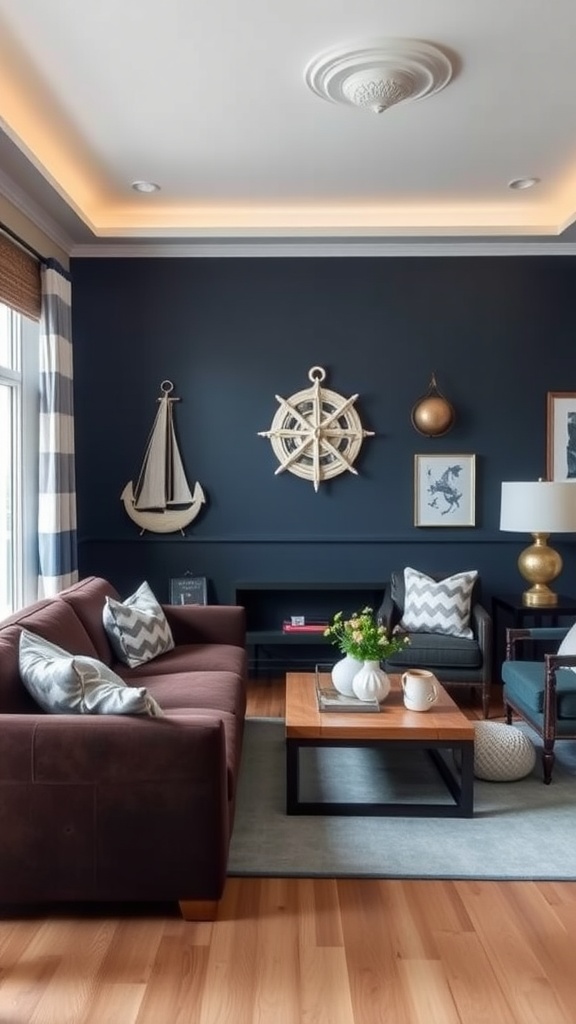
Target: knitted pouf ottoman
[(502, 753)]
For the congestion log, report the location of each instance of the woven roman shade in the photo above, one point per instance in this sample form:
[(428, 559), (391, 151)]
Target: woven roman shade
[(19, 279)]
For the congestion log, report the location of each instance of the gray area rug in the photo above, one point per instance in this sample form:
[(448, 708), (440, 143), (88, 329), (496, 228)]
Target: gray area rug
[(520, 830)]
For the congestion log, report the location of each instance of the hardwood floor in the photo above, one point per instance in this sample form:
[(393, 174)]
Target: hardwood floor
[(302, 951)]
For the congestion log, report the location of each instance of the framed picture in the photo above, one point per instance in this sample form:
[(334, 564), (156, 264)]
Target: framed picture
[(188, 590), (561, 435), (444, 490)]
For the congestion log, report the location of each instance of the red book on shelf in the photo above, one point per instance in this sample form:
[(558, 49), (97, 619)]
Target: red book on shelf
[(312, 627)]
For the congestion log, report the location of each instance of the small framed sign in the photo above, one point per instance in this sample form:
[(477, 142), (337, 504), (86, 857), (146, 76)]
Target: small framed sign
[(188, 590)]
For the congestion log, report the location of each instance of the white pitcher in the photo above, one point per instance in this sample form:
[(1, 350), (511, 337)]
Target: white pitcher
[(420, 690)]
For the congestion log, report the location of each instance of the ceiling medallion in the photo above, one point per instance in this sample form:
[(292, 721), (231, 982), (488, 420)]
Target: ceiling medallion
[(378, 75)]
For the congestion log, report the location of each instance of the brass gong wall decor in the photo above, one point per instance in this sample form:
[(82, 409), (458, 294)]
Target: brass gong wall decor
[(316, 433), (433, 415)]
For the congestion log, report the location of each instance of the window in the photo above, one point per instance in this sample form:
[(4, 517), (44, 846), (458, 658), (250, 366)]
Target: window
[(19, 410)]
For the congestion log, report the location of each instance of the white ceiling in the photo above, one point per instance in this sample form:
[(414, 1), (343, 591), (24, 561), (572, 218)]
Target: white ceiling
[(208, 98)]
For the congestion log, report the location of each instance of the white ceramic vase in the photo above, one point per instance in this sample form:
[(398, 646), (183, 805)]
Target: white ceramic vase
[(343, 673), (371, 682)]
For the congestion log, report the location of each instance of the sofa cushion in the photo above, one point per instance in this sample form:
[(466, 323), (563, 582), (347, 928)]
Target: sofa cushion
[(137, 627), (191, 658), (438, 606), (50, 619), (216, 691), (524, 687), (436, 650), (14, 698), (87, 598), (64, 684), (54, 621)]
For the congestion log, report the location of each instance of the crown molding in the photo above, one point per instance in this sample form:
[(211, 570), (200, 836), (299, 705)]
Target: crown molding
[(271, 247), (313, 247), (35, 214)]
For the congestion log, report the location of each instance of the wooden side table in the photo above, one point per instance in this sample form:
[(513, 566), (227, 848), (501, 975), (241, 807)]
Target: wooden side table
[(508, 610)]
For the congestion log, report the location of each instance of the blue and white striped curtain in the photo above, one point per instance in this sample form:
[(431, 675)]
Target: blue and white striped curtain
[(58, 566)]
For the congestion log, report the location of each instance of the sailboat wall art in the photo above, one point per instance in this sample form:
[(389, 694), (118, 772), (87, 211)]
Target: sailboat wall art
[(161, 501)]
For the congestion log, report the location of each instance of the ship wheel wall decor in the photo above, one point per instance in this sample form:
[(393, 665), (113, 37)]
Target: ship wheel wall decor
[(316, 433)]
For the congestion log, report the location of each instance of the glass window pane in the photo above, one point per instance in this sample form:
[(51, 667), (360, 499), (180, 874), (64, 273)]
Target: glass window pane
[(6, 347), (7, 525), (19, 411)]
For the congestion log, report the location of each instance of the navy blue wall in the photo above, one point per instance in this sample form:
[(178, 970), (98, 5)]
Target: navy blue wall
[(233, 333)]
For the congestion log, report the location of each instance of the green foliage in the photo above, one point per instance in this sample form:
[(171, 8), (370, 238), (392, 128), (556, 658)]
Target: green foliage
[(362, 637)]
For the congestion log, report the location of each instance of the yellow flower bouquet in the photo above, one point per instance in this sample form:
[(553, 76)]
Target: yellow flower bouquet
[(362, 637)]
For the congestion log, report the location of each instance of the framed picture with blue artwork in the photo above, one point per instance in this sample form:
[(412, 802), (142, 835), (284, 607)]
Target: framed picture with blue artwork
[(561, 435), (444, 490)]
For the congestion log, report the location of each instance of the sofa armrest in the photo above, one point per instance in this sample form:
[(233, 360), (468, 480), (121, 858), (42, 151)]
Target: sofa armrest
[(113, 807), (207, 624), (516, 634), (556, 661), (103, 749), (481, 623)]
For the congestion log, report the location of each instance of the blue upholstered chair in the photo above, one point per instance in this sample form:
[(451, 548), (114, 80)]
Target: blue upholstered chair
[(454, 660), (541, 692)]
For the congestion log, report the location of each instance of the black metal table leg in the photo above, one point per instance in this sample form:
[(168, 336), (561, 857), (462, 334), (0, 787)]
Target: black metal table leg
[(460, 786), (292, 776)]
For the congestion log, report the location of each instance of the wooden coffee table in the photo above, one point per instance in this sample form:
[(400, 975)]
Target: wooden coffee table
[(442, 728)]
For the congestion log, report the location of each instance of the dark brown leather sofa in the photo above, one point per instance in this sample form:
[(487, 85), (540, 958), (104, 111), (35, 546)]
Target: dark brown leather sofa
[(116, 807)]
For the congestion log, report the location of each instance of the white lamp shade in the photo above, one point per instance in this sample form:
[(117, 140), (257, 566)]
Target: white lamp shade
[(538, 507)]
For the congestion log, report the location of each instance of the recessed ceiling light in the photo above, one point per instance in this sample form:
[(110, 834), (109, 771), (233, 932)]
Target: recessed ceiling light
[(519, 183), (145, 186)]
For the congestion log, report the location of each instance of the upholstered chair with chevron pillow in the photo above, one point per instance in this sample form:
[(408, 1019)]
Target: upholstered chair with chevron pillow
[(450, 631)]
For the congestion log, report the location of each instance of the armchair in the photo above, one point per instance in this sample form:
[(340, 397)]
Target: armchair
[(455, 660), (542, 693)]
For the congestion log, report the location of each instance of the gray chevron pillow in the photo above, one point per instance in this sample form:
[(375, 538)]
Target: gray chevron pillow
[(137, 628), (75, 684), (438, 606)]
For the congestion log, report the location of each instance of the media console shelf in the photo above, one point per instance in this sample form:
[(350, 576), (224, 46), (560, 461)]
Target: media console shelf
[(268, 605)]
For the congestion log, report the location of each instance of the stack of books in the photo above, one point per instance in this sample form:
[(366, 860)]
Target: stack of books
[(300, 624), (330, 699)]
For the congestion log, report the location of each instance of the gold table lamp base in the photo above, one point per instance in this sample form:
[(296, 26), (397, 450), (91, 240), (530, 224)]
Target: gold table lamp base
[(539, 565)]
